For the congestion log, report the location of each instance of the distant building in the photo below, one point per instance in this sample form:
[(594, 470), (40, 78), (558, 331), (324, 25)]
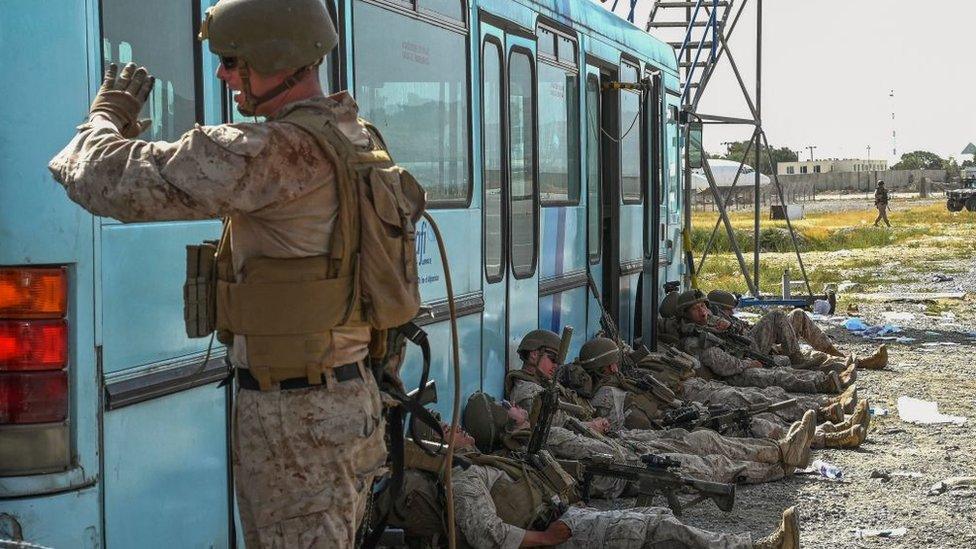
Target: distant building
[(831, 165)]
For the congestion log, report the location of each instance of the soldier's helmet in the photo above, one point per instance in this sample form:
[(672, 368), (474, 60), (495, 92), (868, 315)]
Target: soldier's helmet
[(880, 183), (485, 420), (598, 353), (669, 305), (538, 339), (689, 298), (723, 298), (270, 35)]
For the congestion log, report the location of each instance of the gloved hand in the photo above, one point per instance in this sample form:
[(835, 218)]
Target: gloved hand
[(121, 98)]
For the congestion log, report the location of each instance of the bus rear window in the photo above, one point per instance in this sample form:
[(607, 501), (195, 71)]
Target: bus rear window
[(411, 82), (159, 36)]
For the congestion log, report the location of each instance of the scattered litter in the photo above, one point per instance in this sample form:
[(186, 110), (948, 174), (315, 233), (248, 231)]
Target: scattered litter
[(940, 344), (924, 412), (826, 470), (898, 316), (905, 340), (821, 307), (877, 412), (886, 533), (855, 324), (942, 278), (952, 483)]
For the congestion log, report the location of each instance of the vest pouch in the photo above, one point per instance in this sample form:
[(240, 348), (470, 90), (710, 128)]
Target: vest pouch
[(391, 202), (200, 290)]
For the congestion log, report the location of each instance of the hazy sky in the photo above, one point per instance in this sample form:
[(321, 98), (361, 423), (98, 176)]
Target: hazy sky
[(828, 69)]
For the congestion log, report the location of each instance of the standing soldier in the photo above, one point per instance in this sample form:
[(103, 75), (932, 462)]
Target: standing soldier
[(881, 203), (308, 431)]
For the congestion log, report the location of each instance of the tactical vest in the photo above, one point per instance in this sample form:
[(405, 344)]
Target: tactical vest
[(288, 308), (565, 394), (529, 498), (641, 408)]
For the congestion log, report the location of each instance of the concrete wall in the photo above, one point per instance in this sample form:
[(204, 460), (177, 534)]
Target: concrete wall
[(895, 180)]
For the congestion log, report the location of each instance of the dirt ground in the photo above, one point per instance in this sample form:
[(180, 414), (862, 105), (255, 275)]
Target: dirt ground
[(887, 481)]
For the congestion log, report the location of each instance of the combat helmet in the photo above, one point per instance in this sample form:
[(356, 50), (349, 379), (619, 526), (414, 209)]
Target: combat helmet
[(598, 353), (269, 36), (689, 298), (485, 420), (538, 339), (669, 305), (723, 298)]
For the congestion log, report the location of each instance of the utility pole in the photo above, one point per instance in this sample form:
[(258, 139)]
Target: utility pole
[(811, 147), (869, 152)]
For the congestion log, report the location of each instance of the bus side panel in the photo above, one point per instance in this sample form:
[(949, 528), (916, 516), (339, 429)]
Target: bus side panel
[(69, 519), (166, 472), (442, 366), (566, 309), (631, 250), (143, 270)]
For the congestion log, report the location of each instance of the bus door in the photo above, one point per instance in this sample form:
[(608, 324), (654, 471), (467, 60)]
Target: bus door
[(511, 203), (595, 195)]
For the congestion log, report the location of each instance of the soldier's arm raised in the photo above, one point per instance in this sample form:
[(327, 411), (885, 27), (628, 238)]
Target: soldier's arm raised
[(211, 171)]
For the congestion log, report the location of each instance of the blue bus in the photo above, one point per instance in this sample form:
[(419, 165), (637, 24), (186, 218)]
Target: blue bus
[(113, 428)]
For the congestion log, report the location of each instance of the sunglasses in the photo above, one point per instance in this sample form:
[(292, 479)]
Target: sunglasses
[(552, 356), (228, 62)]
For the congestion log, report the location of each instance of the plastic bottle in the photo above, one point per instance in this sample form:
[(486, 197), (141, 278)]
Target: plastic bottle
[(827, 470), (879, 411)]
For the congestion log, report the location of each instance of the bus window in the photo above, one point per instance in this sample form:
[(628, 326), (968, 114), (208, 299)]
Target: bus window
[(594, 218), (167, 51), (630, 143), (492, 147), (559, 135), (521, 124), (451, 8), (411, 82), (673, 155)]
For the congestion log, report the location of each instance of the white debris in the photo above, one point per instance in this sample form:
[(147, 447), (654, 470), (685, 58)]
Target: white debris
[(914, 410)]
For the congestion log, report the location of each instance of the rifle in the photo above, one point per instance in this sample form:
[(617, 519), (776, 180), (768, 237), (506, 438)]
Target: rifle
[(656, 478), (549, 401), (738, 345), (577, 426), (718, 418), (606, 321)]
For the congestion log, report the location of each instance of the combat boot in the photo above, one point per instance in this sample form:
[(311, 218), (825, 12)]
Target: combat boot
[(849, 376), (848, 438), (847, 399), (833, 413), (833, 384), (861, 416), (795, 446), (787, 536), (877, 361)]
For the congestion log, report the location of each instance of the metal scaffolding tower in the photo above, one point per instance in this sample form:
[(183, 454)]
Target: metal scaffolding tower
[(702, 30)]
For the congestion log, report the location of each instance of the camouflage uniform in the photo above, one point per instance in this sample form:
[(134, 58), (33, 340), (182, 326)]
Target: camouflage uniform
[(734, 371), (758, 460), (481, 526), (780, 332), (881, 203), (304, 459)]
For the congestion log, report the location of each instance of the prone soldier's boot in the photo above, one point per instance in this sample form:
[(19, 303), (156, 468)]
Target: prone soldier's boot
[(847, 438), (787, 536), (832, 384), (847, 399), (877, 361), (861, 416), (833, 413), (795, 446), (849, 376)]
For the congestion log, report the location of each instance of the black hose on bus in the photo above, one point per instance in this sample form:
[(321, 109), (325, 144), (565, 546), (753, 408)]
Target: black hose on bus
[(456, 410)]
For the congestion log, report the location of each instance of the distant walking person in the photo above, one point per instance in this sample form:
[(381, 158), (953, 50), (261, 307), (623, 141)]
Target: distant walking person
[(881, 203)]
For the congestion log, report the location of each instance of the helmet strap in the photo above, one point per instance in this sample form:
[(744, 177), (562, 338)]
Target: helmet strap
[(251, 102)]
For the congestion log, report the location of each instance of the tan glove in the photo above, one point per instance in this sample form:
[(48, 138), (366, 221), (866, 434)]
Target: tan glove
[(121, 98)]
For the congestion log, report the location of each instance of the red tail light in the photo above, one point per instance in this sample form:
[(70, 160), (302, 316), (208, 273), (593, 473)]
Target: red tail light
[(33, 293), (33, 397), (33, 344)]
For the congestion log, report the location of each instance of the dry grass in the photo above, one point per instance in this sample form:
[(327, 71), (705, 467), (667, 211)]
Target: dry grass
[(840, 246)]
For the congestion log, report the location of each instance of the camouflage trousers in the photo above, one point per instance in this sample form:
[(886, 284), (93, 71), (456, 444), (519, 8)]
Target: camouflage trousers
[(782, 332), (727, 459), (768, 424), (791, 379), (304, 462), (641, 527)]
